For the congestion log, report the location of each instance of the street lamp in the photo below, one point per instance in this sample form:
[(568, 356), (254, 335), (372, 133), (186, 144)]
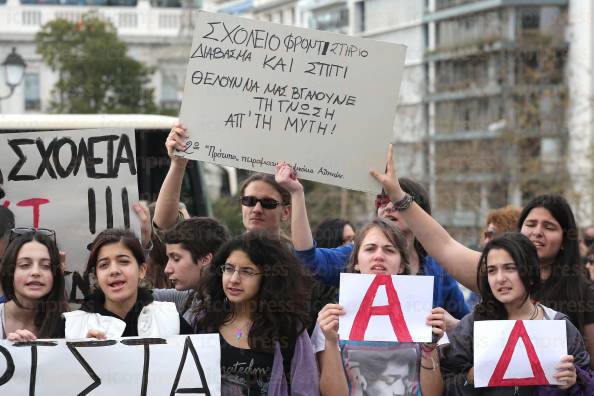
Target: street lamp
[(14, 70)]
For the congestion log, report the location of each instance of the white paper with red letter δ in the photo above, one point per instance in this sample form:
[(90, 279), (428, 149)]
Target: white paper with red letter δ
[(385, 307), (518, 353)]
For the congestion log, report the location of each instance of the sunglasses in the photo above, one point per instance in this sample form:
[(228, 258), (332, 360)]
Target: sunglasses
[(588, 241), (19, 231), (267, 203)]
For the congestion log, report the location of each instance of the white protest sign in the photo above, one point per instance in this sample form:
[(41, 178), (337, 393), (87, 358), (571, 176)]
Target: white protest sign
[(518, 353), (75, 182), (127, 366), (385, 307), (258, 93)]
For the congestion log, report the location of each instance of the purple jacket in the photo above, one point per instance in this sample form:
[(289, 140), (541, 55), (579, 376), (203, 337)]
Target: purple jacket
[(584, 386), (304, 371)]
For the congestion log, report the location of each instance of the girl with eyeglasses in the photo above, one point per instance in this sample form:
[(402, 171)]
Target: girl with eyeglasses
[(33, 283), (351, 367), (119, 306), (549, 223), (508, 278), (257, 299)]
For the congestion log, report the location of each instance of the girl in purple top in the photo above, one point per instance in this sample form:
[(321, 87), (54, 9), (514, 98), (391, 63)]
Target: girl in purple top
[(256, 296)]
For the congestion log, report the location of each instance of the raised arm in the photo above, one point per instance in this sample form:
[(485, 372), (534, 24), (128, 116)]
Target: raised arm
[(301, 235), (458, 260), (326, 264), (168, 200)]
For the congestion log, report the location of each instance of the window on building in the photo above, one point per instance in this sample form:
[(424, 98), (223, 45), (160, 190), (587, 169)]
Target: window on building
[(529, 18), (166, 3), (331, 20), (109, 3), (169, 94), (32, 92), (360, 24)]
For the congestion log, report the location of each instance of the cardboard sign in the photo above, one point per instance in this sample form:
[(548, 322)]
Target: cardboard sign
[(127, 366), (258, 93), (385, 307), (77, 183), (518, 353)]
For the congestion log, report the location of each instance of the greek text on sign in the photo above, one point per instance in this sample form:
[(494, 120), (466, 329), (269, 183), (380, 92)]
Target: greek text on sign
[(385, 307), (518, 352), (127, 366), (76, 182), (258, 93)]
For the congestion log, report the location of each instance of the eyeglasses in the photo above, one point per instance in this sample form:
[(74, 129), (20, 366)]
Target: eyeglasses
[(19, 231), (381, 200), (267, 203), (244, 273)]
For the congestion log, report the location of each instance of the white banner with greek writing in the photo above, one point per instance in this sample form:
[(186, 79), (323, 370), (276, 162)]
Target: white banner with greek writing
[(76, 182), (258, 93), (127, 366)]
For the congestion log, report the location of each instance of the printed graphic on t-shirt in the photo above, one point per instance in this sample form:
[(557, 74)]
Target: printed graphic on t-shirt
[(381, 368), (244, 372)]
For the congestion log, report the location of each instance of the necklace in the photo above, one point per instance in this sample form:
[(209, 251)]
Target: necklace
[(239, 331)]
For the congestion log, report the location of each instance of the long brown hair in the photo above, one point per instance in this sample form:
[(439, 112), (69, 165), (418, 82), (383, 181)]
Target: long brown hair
[(391, 232)]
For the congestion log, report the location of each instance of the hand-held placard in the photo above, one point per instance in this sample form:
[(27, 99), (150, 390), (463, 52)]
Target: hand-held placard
[(518, 352), (393, 310), (518, 332), (385, 307), (258, 93), (74, 182), (113, 366)]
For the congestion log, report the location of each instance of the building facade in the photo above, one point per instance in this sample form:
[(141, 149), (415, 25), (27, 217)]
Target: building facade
[(158, 33), (496, 102)]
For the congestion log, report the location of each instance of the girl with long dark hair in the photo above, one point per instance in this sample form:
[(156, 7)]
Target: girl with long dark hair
[(256, 296), (33, 283), (508, 278), (546, 220), (119, 306)]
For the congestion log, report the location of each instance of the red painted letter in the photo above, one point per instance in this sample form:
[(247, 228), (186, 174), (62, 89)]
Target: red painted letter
[(539, 378), (36, 203), (393, 309)]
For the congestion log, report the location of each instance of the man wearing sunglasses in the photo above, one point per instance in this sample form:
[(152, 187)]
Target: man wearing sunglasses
[(6, 224), (264, 204)]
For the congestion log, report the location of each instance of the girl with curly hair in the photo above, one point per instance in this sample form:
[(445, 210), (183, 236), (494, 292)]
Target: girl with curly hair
[(257, 299)]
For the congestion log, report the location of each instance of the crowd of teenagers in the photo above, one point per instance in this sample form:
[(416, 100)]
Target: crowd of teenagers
[(272, 298)]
